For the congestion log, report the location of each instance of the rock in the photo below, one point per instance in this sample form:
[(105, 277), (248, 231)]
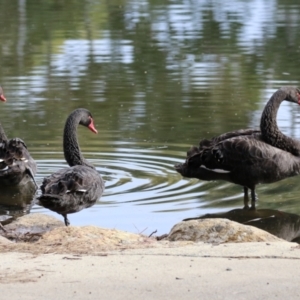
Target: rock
[(44, 234), (38, 233), (218, 231), (35, 223), (30, 227), (91, 239), (279, 223)]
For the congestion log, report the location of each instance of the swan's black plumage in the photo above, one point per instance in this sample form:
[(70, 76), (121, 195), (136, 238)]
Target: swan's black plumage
[(248, 157), (79, 186), (17, 167)]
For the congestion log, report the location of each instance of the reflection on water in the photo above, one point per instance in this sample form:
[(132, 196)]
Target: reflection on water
[(16, 202), (279, 223), (157, 77)]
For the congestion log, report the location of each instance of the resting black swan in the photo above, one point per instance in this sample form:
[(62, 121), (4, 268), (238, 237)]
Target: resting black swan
[(17, 167), (248, 157), (79, 186)]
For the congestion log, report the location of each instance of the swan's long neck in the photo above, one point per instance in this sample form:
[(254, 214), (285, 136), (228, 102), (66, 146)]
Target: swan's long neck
[(269, 128), (72, 151), (3, 137)]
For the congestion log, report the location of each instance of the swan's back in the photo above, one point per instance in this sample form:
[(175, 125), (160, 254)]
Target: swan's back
[(71, 189)]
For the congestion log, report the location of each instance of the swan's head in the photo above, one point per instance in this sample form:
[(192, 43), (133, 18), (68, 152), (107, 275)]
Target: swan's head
[(2, 98), (292, 94), (87, 120)]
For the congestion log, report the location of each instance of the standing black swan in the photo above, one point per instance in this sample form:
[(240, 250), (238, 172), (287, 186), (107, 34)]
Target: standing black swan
[(248, 157), (80, 186), (17, 167)]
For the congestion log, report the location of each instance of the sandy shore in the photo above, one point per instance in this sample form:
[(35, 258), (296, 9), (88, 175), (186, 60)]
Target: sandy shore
[(198, 270)]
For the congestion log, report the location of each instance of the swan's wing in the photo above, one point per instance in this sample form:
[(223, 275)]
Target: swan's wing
[(225, 136), (71, 189), (233, 152), (208, 144), (73, 180)]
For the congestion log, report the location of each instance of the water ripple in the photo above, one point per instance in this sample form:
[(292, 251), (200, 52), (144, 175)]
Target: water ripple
[(132, 180), (143, 192), (141, 178)]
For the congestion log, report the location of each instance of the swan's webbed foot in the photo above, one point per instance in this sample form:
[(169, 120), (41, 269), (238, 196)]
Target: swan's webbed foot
[(67, 222)]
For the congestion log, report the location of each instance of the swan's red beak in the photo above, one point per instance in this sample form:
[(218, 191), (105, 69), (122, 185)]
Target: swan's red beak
[(2, 98), (92, 126)]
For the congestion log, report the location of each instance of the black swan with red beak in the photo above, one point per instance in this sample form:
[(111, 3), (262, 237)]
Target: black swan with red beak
[(72, 189), (248, 157)]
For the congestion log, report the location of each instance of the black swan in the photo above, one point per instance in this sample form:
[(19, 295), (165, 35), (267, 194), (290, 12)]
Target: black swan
[(79, 186), (17, 167), (248, 157)]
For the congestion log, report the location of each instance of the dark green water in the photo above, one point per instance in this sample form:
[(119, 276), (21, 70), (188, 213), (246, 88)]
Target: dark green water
[(157, 76)]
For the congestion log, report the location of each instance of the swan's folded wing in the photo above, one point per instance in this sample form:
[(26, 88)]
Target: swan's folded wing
[(77, 179), (227, 135), (71, 189), (233, 152)]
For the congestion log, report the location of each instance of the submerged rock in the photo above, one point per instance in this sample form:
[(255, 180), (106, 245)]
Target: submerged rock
[(218, 231)]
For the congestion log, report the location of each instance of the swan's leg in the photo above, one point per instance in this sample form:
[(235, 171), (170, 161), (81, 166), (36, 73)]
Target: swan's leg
[(67, 222), (246, 198), (253, 199)]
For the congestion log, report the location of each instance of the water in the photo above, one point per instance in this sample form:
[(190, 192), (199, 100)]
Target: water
[(157, 76)]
